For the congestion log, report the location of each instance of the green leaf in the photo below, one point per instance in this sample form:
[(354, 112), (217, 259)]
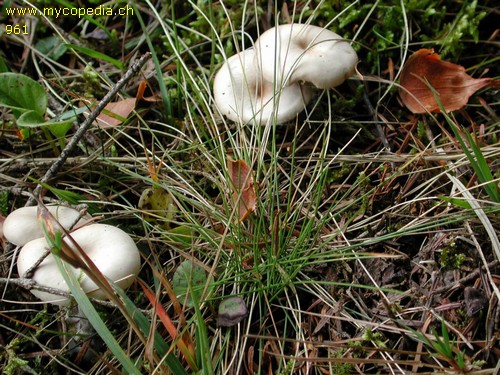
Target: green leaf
[(25, 133), (60, 128), (69, 196), (457, 202), (51, 46), (30, 119), (189, 282), (22, 94), (3, 66)]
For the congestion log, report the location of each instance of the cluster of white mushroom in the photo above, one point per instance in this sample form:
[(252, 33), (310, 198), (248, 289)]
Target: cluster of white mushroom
[(112, 250), (271, 80)]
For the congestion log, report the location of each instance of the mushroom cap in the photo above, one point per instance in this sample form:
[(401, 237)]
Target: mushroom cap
[(305, 53), (22, 225), (242, 95), (111, 249)]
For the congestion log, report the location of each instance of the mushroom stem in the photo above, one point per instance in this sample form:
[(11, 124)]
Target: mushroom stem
[(80, 346)]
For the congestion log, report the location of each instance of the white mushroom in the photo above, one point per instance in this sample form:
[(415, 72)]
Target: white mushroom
[(112, 250), (22, 225), (242, 95), (295, 53)]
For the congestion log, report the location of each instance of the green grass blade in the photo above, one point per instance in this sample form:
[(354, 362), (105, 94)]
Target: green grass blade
[(96, 55), (202, 343), (68, 196), (446, 340), (477, 160), (94, 319), (161, 83)]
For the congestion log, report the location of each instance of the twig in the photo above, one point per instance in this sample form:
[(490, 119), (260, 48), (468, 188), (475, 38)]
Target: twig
[(14, 163), (30, 284), (65, 153), (29, 272)]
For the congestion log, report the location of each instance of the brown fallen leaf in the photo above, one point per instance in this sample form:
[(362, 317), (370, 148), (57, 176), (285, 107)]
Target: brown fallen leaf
[(450, 81), (140, 94), (243, 187), (115, 113)]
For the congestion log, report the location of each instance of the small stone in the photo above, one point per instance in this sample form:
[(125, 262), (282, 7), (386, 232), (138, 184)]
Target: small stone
[(231, 311)]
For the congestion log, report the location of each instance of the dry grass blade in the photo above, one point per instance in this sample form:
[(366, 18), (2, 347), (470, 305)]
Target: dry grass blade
[(185, 346)]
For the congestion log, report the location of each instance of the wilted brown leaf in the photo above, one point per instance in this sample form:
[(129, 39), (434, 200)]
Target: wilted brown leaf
[(140, 94), (115, 113), (450, 81), (243, 187)]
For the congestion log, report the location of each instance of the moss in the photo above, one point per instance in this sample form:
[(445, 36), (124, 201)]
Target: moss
[(337, 175), (451, 258), (341, 368), (14, 364), (376, 338), (92, 85), (464, 26), (4, 202)]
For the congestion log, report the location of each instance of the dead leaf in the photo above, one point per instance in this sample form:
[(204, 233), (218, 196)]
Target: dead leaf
[(243, 187), (450, 81), (157, 204), (115, 113), (140, 94)]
